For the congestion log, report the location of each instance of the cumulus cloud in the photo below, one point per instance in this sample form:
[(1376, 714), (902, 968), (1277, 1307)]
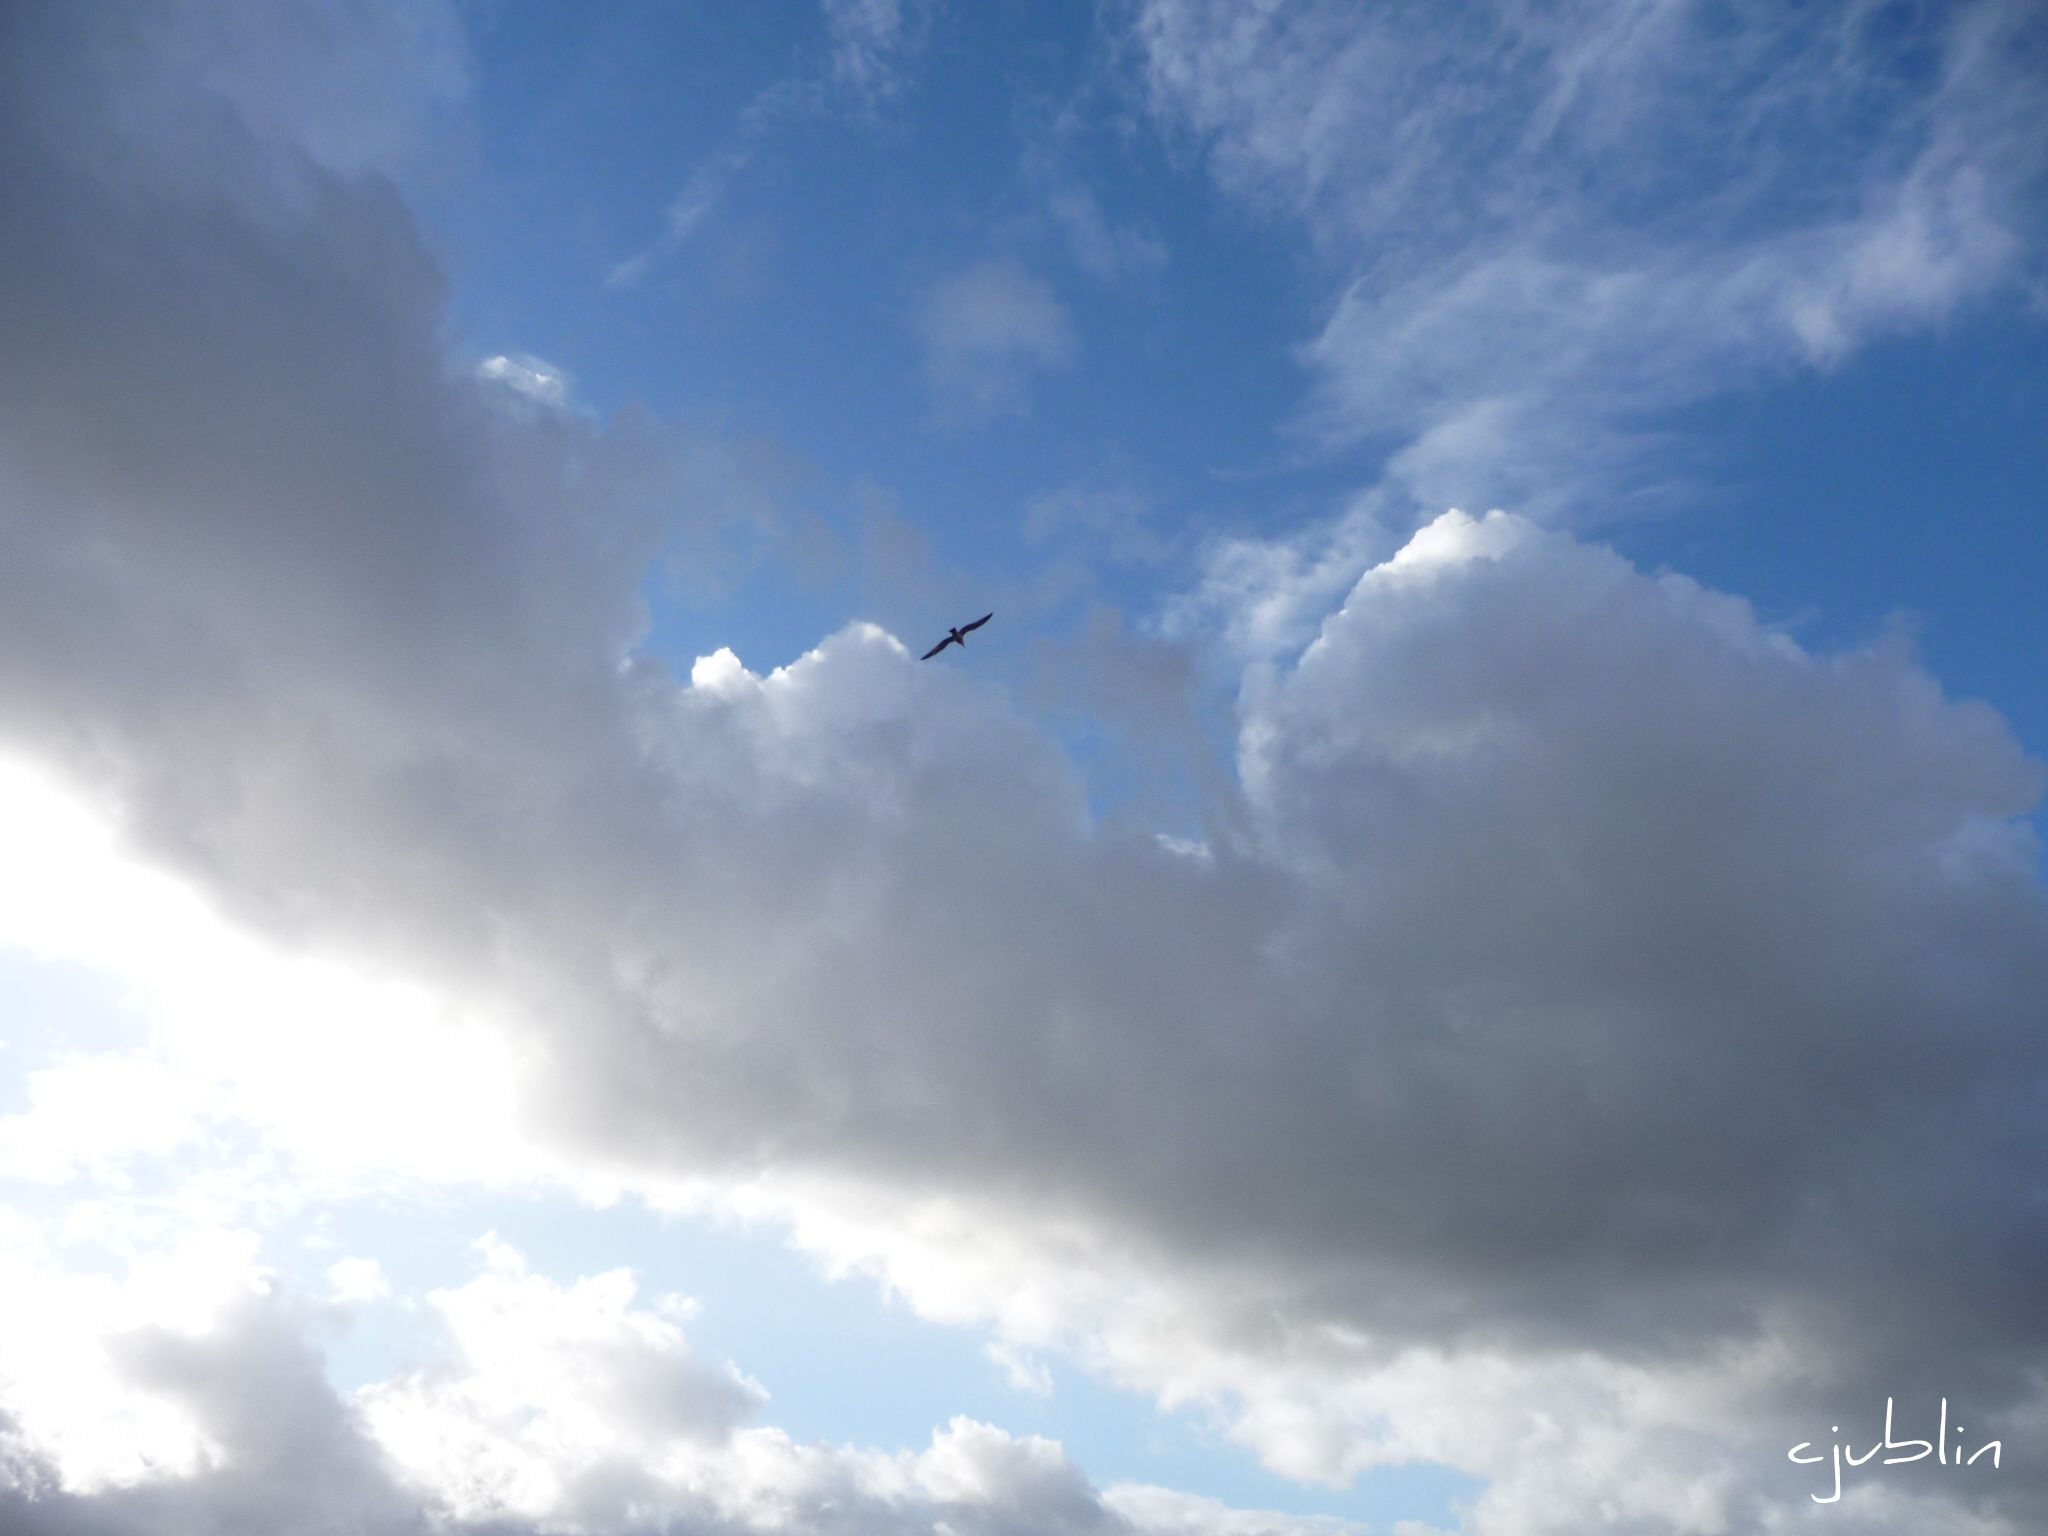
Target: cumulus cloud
[(987, 330), (554, 1407), (551, 1389), (1547, 224), (1600, 1048)]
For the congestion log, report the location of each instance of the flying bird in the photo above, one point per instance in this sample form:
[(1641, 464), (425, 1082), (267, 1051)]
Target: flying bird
[(956, 636)]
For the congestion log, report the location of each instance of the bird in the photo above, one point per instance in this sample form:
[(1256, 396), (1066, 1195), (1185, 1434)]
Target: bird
[(956, 636)]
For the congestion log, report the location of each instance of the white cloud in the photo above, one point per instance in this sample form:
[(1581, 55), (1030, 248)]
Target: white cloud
[(867, 42), (1548, 224), (340, 1077), (356, 1280), (1022, 1370), (868, 38), (529, 376), (550, 1387), (1168, 1513), (556, 1406), (64, 1386), (987, 331), (708, 182)]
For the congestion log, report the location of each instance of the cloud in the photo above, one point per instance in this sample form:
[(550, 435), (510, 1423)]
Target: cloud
[(866, 43), (249, 1066), (868, 38), (531, 377), (358, 1280), (1548, 225), (555, 1407), (1101, 247), (360, 87), (1059, 164), (707, 184), (987, 330), (550, 1386), (1600, 1047)]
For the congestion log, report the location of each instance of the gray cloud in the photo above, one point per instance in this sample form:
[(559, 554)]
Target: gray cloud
[(1581, 971), (288, 1456)]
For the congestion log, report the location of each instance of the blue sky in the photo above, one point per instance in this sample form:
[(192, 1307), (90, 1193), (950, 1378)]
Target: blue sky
[(1903, 477), (1441, 966), (792, 310)]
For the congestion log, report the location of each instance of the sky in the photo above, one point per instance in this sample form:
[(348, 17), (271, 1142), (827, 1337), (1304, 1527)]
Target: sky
[(1465, 955)]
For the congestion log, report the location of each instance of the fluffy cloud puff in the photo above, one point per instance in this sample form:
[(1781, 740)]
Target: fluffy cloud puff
[(557, 1408), (1584, 988)]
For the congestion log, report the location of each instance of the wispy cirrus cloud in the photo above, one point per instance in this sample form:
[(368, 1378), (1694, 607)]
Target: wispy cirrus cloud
[(706, 186), (1546, 224), (869, 39), (866, 43)]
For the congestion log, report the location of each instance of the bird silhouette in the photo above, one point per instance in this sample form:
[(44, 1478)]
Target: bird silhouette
[(956, 636)]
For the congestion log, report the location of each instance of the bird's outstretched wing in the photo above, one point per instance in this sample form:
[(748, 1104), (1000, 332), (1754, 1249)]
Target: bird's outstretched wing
[(964, 628), (928, 655)]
